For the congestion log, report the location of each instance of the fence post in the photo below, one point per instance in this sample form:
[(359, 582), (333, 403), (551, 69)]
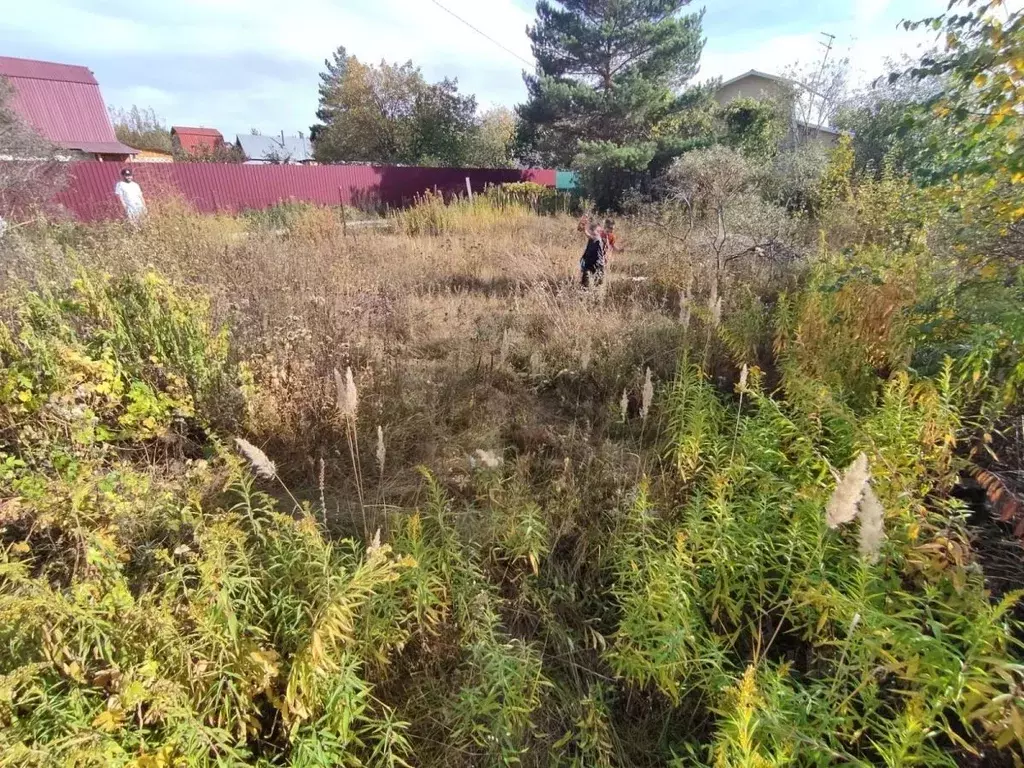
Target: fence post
[(344, 218), (469, 189)]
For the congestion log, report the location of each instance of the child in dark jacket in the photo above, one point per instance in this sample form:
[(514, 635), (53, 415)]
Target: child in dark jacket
[(592, 262)]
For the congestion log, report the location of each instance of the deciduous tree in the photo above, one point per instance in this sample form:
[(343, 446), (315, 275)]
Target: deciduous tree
[(444, 124), (882, 119), (141, 128), (389, 114), (492, 143), (30, 171), (982, 65)]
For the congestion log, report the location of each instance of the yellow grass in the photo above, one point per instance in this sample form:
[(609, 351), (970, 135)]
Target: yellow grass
[(473, 339)]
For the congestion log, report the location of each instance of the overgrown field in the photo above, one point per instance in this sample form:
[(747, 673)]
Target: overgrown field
[(410, 498)]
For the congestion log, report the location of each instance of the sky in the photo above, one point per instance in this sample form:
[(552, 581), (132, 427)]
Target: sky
[(242, 64)]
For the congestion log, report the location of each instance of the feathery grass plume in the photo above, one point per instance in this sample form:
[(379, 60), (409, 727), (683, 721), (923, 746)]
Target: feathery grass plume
[(348, 407), (648, 395), (381, 448), (872, 525), (374, 546), (684, 308), (716, 311), (339, 392), (845, 500), (742, 388), (585, 357), (486, 459), (536, 362), (351, 395), (263, 466), (624, 404)]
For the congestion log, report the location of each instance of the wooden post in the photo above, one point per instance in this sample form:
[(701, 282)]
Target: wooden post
[(469, 189), (344, 218)]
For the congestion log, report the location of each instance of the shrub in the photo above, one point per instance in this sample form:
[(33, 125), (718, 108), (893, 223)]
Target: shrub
[(754, 127), (537, 197), (646, 535), (794, 179), (432, 215), (110, 360), (30, 172), (608, 172)]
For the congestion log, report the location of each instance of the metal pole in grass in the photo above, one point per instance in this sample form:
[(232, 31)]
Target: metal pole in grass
[(469, 189)]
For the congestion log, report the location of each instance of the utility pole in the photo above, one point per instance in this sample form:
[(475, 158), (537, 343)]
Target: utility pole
[(817, 81)]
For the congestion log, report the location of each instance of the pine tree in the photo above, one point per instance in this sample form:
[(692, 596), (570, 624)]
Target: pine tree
[(330, 80), (607, 71)]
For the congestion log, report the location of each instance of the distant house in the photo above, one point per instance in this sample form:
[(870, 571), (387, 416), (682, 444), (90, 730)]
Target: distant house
[(278, 150), (64, 104), (763, 86), (196, 141)]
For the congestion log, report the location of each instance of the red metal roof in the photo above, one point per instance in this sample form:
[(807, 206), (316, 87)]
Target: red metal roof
[(193, 139), (63, 102)]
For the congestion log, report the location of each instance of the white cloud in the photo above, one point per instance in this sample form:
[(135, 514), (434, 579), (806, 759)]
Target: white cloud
[(867, 46), (300, 32)]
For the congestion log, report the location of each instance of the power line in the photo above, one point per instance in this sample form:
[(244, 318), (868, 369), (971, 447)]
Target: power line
[(482, 33)]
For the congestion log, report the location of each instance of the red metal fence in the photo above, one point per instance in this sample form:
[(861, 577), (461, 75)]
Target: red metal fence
[(89, 193)]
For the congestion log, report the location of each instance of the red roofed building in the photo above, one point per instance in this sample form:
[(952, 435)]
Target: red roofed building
[(196, 141), (64, 104)]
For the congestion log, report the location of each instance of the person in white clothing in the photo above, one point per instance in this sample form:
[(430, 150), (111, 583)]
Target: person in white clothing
[(129, 193)]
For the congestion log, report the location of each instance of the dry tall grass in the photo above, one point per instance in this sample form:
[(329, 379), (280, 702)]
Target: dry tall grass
[(626, 502), (476, 339)]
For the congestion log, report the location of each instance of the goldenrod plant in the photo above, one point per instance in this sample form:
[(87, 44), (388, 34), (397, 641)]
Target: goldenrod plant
[(274, 492)]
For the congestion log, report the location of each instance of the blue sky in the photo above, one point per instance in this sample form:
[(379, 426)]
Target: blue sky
[(240, 64)]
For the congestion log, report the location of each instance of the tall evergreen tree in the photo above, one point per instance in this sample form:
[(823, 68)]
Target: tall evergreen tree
[(608, 71), (330, 81)]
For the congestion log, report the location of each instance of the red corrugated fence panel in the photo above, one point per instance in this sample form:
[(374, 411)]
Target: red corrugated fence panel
[(212, 187)]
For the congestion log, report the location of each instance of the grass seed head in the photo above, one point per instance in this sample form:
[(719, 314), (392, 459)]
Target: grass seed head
[(844, 503), (872, 525), (374, 545), (486, 459), (381, 449), (716, 311), (346, 393), (648, 395), (684, 308), (262, 465)]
